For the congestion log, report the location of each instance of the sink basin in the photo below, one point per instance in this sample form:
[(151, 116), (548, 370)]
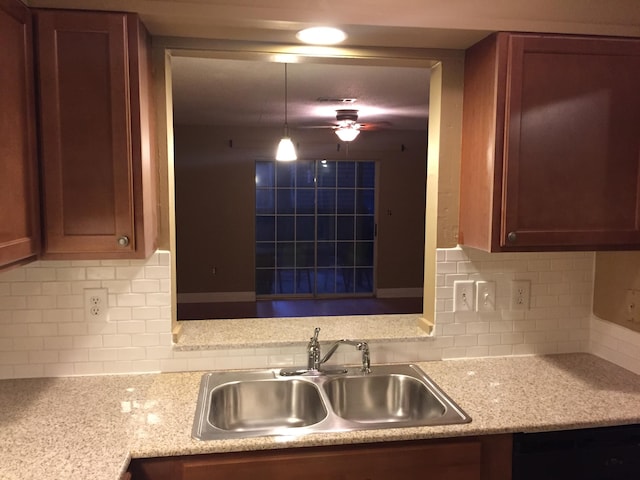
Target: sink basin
[(264, 403), (388, 398)]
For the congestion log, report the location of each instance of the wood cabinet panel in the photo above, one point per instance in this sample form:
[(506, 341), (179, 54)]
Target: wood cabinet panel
[(97, 160), (551, 144), (19, 224), (482, 458)]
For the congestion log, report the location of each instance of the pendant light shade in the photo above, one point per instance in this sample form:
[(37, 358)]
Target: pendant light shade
[(286, 150)]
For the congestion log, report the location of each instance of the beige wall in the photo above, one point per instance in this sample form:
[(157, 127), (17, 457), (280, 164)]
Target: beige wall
[(615, 273), (215, 201)]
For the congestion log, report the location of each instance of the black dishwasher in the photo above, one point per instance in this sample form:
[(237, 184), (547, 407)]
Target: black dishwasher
[(606, 453)]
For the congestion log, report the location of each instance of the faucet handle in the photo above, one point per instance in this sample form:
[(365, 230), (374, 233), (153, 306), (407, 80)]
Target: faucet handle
[(316, 332)]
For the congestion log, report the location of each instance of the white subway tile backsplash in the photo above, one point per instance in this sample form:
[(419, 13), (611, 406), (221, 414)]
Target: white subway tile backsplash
[(45, 330)]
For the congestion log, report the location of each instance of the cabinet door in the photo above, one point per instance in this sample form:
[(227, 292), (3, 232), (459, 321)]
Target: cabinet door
[(572, 143), (19, 223), (89, 87), (444, 460)]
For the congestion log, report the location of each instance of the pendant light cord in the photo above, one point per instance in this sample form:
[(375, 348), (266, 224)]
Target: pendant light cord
[(286, 126)]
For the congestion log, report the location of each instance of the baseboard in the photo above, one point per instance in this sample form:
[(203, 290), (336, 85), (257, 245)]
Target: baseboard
[(214, 297), (399, 292)]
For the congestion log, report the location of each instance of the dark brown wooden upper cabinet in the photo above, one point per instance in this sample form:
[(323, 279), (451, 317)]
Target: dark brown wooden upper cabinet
[(19, 223), (551, 144), (97, 152)]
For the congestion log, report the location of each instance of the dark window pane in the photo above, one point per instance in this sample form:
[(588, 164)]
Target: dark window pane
[(326, 174), (364, 254), (344, 280), (285, 174), (304, 280), (346, 174), (286, 281), (265, 174), (305, 202), (286, 201), (366, 175), (345, 228), (286, 255), (326, 280), (326, 201), (365, 202), (364, 280), (265, 255), (265, 201), (346, 202), (305, 228), (286, 228), (265, 229), (305, 174), (304, 254), (365, 227), (265, 282), (346, 254), (326, 228), (326, 254)]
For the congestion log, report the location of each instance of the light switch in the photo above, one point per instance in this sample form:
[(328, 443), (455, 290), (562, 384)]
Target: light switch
[(463, 296), (485, 296)]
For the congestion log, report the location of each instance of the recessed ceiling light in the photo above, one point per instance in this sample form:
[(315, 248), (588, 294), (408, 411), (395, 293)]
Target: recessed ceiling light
[(321, 35)]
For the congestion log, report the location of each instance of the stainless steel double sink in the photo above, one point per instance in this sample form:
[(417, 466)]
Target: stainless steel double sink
[(264, 403)]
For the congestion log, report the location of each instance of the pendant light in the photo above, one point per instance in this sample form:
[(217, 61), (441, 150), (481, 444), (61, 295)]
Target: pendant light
[(286, 151)]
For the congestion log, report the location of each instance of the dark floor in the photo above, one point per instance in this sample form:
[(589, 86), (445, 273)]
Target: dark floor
[(299, 308)]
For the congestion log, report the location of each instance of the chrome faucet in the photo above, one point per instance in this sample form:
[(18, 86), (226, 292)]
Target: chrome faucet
[(315, 360)]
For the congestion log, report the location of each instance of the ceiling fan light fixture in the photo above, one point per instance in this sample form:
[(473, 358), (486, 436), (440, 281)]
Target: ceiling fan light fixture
[(321, 36), (347, 133)]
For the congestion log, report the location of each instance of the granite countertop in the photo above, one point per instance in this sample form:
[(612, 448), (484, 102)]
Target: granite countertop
[(89, 427)]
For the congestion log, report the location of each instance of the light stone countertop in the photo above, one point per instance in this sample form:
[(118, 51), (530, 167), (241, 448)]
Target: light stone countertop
[(87, 427), (288, 331)]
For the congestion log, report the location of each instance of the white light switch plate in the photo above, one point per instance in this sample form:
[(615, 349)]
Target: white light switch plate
[(485, 296), (463, 296)]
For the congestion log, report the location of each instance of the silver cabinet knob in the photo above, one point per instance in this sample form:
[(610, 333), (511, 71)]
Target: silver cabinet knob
[(512, 237), (123, 241)]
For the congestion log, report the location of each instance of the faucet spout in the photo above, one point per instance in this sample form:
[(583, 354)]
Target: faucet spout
[(360, 345)]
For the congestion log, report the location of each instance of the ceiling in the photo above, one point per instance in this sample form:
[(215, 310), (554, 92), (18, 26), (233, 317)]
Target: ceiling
[(252, 93)]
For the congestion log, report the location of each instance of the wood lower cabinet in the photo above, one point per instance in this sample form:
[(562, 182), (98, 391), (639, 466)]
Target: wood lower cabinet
[(480, 458), (551, 144), (97, 150), (19, 222)]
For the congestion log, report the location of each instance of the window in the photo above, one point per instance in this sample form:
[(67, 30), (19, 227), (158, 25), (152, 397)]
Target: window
[(315, 228)]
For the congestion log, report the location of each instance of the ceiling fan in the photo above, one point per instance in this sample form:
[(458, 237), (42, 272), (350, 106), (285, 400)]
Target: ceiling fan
[(346, 126)]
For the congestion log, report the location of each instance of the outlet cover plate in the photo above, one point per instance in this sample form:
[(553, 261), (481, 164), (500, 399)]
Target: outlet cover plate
[(520, 294), (95, 304)]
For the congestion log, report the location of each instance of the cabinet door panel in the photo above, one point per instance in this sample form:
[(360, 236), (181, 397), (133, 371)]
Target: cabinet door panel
[(573, 143), (86, 139), (447, 460), (19, 225)]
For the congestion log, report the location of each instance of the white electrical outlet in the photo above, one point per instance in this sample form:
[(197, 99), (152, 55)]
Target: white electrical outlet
[(485, 296), (95, 303), (520, 294), (463, 296), (633, 306)]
